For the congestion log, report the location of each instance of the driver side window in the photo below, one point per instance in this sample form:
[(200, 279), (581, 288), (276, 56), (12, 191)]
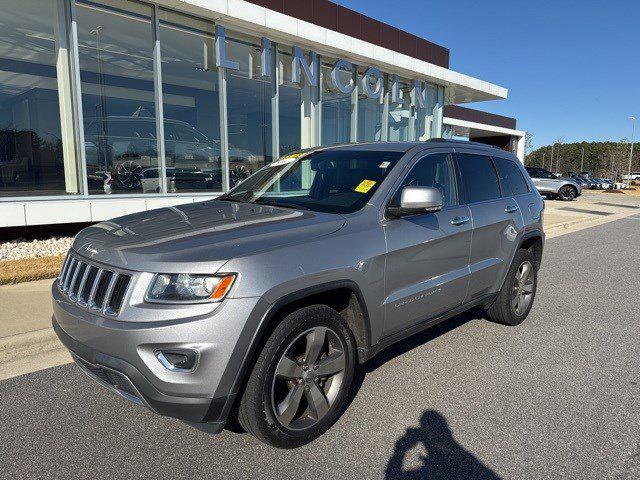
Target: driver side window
[(434, 170)]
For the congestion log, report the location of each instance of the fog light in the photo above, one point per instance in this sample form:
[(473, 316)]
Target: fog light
[(177, 360)]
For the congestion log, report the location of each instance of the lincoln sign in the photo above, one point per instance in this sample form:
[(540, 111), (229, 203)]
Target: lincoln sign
[(305, 71)]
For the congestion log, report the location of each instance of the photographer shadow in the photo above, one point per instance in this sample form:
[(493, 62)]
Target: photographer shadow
[(445, 458)]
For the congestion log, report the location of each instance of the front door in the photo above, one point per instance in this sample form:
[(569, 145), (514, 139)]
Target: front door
[(426, 271)]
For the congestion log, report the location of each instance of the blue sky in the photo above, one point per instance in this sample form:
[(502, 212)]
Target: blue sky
[(572, 67)]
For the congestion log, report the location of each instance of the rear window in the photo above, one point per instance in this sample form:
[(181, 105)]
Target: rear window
[(479, 178), (512, 178)]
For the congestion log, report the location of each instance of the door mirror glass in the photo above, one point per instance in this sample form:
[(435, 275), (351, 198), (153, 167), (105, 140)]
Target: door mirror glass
[(415, 200)]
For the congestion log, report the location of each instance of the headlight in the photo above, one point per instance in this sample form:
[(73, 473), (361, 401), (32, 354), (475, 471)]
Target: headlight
[(186, 288)]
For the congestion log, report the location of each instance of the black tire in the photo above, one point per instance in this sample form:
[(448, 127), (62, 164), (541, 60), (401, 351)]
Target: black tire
[(256, 412), (502, 309), (567, 193)]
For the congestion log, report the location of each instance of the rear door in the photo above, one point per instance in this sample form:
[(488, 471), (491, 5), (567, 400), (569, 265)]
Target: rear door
[(496, 220), (427, 262)]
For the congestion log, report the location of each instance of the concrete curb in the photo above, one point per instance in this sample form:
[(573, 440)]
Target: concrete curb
[(31, 351)]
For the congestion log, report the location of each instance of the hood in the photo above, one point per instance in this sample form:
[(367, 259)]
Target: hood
[(204, 235)]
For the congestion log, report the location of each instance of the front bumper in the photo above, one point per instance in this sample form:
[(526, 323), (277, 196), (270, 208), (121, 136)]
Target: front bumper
[(120, 356), (126, 380)]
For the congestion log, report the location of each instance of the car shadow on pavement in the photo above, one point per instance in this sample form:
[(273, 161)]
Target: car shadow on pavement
[(405, 346), (440, 457)]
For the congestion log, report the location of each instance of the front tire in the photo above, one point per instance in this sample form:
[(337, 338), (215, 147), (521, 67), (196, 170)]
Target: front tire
[(301, 379), (514, 302)]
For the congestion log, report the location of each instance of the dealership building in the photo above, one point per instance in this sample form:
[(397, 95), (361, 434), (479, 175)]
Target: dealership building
[(109, 107)]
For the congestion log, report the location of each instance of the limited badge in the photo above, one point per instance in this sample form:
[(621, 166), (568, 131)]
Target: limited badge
[(365, 186)]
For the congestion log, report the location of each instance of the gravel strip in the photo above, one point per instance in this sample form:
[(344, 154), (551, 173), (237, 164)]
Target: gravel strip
[(18, 249)]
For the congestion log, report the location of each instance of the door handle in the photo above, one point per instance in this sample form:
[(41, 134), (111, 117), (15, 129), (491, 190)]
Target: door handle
[(457, 221), (511, 208)]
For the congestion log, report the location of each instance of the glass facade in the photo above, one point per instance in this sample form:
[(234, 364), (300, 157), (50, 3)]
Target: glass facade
[(336, 107), (248, 111), (370, 112), (115, 52), (35, 156), (191, 108), (108, 97), (400, 113)]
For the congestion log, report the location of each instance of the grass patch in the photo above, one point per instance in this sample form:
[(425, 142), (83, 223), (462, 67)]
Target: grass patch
[(28, 269)]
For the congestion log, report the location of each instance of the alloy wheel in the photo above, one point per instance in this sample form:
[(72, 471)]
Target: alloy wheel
[(308, 378), (522, 288), (568, 193), (129, 174)]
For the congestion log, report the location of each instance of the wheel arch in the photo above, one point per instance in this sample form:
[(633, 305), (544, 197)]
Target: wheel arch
[(344, 296), (534, 242)]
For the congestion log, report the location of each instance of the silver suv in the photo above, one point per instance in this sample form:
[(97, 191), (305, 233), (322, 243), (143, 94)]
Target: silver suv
[(255, 308), (551, 186)]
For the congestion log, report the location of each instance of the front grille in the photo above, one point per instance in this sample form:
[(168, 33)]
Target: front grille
[(92, 286)]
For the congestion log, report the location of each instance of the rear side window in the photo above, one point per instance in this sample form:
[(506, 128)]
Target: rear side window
[(435, 171), (512, 178), (479, 178)]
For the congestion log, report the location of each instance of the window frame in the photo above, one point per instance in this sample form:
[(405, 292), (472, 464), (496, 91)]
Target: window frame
[(524, 179), (464, 197), (418, 156)]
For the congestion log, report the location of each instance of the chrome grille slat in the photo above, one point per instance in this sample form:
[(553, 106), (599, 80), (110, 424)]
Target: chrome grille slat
[(63, 271), (83, 282), (91, 286), (67, 278), (87, 268), (101, 292), (92, 295), (77, 276), (107, 295)]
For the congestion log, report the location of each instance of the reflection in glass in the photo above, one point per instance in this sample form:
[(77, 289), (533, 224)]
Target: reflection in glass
[(370, 112), (424, 116), (399, 114), (31, 156), (248, 111), (294, 108), (116, 72), (191, 106), (336, 109)]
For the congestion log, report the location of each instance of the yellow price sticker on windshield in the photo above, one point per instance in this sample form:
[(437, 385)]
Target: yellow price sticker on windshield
[(365, 186)]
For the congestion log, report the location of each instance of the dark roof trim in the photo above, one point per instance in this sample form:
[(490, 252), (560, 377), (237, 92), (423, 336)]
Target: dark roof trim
[(470, 115), (349, 22)]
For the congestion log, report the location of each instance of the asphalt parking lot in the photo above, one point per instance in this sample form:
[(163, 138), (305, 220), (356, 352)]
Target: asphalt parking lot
[(557, 397)]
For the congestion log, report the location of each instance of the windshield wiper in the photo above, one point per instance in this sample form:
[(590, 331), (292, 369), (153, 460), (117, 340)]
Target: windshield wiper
[(240, 197), (274, 203)]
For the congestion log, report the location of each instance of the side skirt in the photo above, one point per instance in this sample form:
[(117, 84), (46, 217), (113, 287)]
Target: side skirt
[(419, 327)]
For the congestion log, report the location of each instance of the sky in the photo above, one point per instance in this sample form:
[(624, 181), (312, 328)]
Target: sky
[(572, 67)]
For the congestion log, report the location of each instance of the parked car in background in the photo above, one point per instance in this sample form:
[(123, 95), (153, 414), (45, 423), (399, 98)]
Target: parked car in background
[(634, 176), (604, 184), (551, 186), (122, 154), (259, 305), (583, 182)]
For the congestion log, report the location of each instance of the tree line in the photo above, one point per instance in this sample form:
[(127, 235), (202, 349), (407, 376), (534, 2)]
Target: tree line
[(601, 159)]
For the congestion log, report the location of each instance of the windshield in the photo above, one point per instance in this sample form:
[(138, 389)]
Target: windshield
[(332, 181)]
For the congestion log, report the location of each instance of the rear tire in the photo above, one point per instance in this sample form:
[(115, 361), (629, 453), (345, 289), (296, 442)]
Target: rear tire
[(291, 396), (514, 302), (567, 193)]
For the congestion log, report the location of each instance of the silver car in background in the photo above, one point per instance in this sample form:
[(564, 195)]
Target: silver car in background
[(562, 188)]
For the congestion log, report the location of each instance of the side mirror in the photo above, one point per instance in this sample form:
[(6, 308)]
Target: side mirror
[(416, 200)]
